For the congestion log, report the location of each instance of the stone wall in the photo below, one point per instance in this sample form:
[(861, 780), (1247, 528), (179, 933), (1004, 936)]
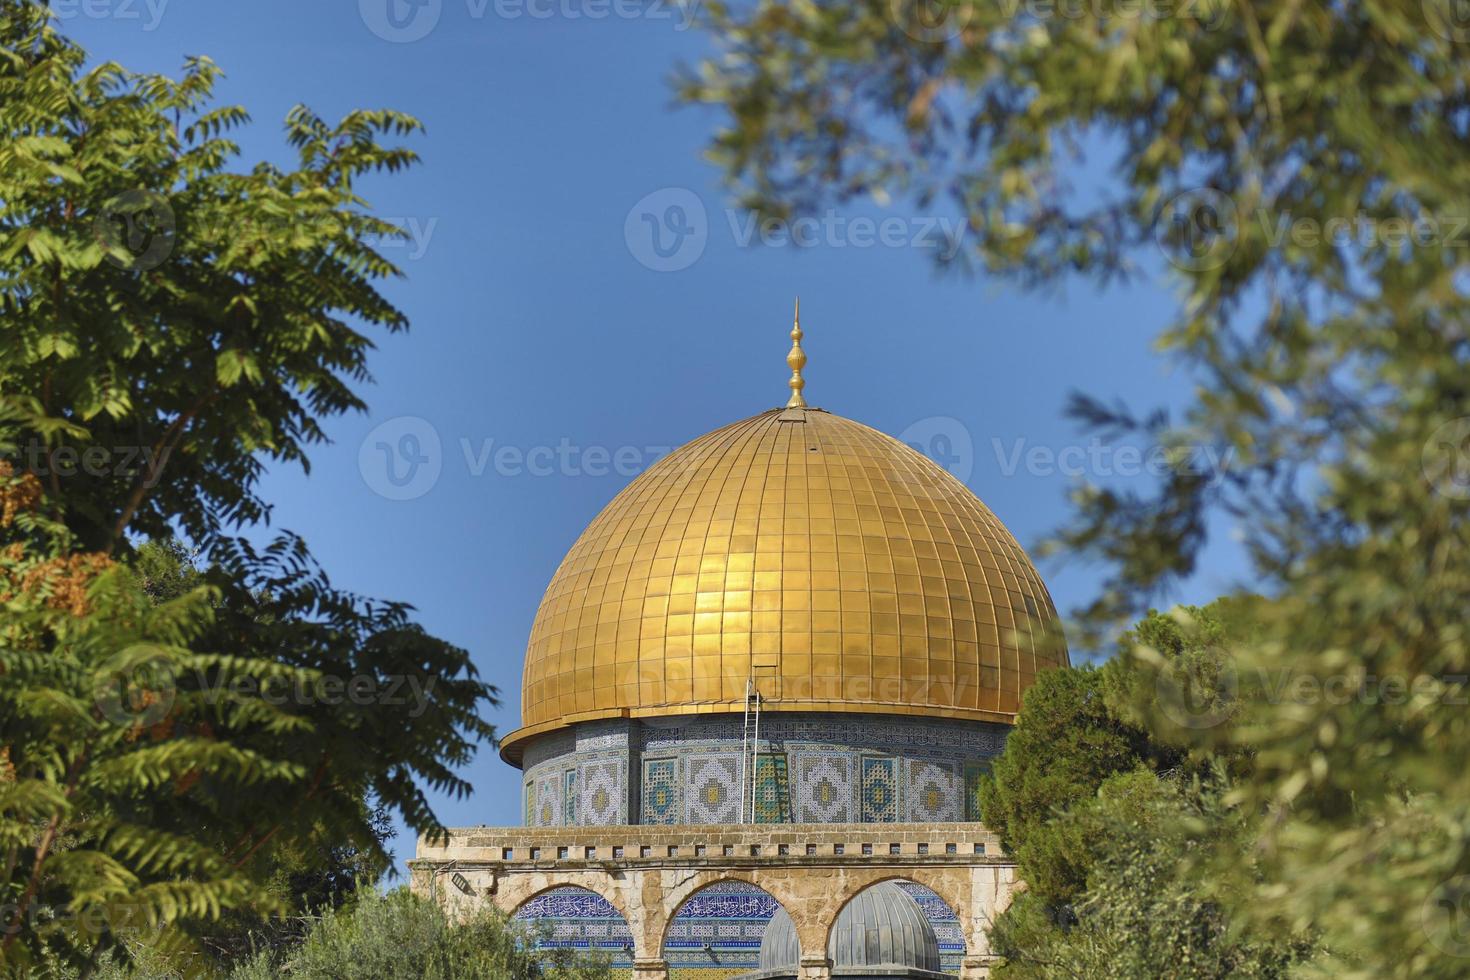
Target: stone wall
[(647, 874)]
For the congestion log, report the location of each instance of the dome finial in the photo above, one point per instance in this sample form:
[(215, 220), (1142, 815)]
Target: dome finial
[(796, 360)]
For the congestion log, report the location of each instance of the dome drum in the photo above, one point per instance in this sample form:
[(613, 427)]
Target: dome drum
[(812, 768)]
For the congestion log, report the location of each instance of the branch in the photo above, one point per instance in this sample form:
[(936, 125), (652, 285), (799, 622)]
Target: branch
[(165, 446)]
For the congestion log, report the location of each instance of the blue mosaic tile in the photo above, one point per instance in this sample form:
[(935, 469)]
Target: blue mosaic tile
[(772, 790), (974, 772), (880, 789), (932, 793), (569, 799), (660, 791), (714, 789), (823, 790)]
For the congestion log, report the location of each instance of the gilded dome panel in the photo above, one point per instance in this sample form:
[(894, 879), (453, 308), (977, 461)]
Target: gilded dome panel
[(835, 566)]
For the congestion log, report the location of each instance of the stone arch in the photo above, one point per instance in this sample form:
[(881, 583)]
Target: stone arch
[(716, 921), (583, 916), (514, 892), (951, 886)]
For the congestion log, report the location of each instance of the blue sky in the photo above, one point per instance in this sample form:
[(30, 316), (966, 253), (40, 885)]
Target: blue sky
[(558, 346)]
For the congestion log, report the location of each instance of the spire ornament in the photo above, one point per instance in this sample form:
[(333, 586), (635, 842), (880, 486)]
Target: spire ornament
[(796, 360)]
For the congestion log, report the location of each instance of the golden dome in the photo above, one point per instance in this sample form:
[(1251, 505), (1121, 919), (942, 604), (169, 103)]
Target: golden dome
[(834, 565)]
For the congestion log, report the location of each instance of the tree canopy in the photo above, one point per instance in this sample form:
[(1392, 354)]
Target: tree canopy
[(174, 323), (1299, 172)]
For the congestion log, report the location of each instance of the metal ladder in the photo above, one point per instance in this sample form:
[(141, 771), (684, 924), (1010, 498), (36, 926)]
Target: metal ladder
[(750, 736)]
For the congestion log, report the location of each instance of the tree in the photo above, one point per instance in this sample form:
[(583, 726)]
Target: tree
[(173, 326), (1065, 745), (1148, 909), (1113, 826), (1302, 168)]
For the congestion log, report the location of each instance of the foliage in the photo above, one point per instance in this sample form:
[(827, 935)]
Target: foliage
[(172, 326), (1147, 912), (182, 322), (1064, 746), (1080, 727), (1302, 168), (385, 937), (1113, 828), (104, 751)]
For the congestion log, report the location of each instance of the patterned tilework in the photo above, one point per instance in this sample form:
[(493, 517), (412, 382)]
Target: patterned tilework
[(578, 919), (824, 752), (530, 805), (945, 922), (772, 790), (660, 791), (823, 791), (880, 790), (973, 773), (731, 917), (569, 798), (548, 800), (931, 793), (714, 789), (604, 800)]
